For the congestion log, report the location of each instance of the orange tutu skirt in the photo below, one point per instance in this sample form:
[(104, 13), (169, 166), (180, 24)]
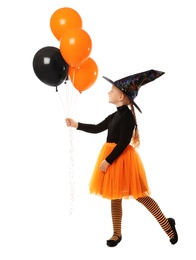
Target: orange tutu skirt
[(125, 177)]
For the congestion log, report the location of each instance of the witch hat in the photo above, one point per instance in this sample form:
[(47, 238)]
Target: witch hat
[(130, 85)]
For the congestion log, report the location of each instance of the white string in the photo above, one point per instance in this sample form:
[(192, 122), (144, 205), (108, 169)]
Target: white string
[(71, 174), (68, 103)]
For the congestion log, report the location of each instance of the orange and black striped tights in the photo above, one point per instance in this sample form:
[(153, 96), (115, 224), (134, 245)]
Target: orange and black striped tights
[(150, 204)]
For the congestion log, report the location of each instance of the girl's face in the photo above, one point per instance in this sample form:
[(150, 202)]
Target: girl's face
[(116, 96)]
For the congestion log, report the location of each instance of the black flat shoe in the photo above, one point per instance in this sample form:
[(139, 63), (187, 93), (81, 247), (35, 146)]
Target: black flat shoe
[(172, 223), (112, 243)]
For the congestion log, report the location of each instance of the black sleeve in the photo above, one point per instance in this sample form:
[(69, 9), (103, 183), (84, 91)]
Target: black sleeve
[(126, 131), (95, 128)]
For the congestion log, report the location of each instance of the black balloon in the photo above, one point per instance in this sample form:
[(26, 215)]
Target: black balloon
[(49, 66)]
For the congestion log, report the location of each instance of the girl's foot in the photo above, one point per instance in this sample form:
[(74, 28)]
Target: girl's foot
[(172, 232), (114, 240)]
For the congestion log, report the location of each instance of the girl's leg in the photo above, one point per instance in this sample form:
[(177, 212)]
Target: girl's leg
[(116, 211), (155, 210)]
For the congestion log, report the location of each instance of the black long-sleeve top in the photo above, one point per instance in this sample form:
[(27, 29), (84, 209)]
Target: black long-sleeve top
[(120, 125)]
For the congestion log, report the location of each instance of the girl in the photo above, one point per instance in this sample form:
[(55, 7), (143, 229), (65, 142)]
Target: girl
[(119, 172)]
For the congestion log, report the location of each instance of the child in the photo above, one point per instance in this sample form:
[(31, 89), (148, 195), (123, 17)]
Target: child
[(119, 172)]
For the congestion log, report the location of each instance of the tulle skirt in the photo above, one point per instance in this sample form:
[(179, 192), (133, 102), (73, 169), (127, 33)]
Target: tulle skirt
[(125, 177)]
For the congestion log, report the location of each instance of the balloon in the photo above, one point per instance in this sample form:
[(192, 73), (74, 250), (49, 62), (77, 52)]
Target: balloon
[(75, 46), (49, 66), (84, 76), (63, 19)]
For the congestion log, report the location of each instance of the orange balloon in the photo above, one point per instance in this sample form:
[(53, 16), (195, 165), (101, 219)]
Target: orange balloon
[(75, 46), (63, 19), (84, 76)]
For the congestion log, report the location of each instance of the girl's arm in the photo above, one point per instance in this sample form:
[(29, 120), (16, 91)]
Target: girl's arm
[(126, 131), (90, 128)]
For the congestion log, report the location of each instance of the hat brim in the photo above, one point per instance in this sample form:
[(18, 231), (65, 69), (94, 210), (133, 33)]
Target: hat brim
[(109, 80), (113, 83)]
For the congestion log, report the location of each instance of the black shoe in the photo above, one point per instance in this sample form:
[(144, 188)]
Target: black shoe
[(112, 243), (172, 223)]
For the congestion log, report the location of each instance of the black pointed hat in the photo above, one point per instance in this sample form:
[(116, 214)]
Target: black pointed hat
[(130, 85)]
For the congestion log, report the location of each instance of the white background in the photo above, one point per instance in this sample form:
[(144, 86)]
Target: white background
[(128, 37)]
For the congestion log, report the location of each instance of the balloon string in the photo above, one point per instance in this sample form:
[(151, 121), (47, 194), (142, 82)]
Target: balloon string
[(68, 108), (71, 102), (71, 172), (71, 95), (64, 108)]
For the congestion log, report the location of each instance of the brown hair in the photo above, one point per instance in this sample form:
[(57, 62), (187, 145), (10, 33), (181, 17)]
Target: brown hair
[(135, 140)]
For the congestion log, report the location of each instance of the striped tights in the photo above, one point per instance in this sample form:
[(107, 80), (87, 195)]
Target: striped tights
[(150, 204)]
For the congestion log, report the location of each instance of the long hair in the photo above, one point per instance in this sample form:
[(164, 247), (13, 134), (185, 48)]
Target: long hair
[(135, 140)]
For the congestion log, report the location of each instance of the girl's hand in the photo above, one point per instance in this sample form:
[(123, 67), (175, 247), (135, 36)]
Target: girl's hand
[(104, 166), (71, 123)]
